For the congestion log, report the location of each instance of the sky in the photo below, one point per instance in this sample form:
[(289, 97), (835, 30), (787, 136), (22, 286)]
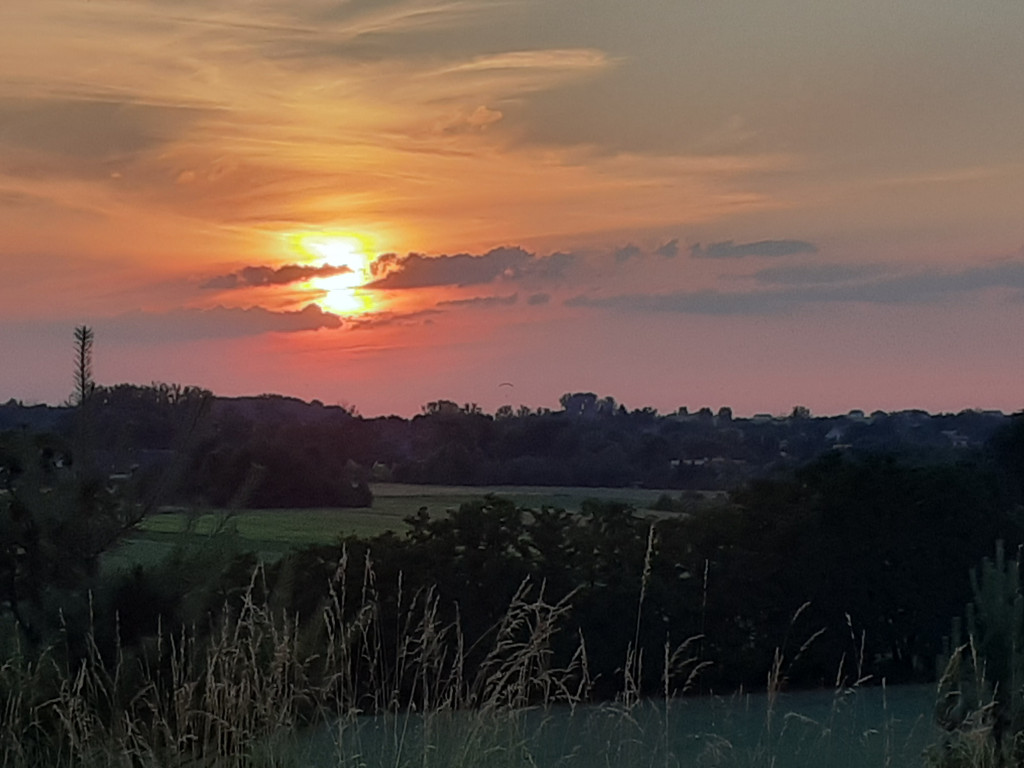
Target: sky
[(381, 203)]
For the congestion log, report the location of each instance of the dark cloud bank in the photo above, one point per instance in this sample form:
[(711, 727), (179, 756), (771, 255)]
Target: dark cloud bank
[(258, 276), (415, 270)]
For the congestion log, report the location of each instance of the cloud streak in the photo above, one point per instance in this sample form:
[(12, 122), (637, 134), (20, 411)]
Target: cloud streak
[(816, 274), (727, 249), (482, 301), (385, 319)]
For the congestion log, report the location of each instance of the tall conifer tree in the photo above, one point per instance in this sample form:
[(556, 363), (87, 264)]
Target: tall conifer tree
[(84, 385)]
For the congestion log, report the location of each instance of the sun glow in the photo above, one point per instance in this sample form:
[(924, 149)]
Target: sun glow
[(350, 252)]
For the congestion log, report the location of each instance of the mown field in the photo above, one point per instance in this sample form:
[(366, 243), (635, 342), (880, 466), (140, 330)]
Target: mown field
[(272, 532)]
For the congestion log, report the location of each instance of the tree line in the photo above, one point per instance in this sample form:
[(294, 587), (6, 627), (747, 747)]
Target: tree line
[(289, 453)]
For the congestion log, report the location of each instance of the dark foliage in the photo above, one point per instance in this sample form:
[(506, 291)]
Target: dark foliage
[(871, 550), (877, 548)]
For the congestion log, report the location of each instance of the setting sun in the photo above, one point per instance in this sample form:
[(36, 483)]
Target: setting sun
[(346, 250)]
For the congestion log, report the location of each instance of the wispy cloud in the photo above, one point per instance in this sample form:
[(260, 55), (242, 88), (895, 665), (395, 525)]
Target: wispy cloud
[(354, 20), (402, 113), (86, 137), (730, 250), (558, 59)]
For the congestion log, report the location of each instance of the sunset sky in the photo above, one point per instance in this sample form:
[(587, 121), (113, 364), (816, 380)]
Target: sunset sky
[(381, 203)]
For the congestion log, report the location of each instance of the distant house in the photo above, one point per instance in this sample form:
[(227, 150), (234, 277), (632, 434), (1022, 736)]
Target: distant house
[(956, 439), (835, 434), (117, 480)]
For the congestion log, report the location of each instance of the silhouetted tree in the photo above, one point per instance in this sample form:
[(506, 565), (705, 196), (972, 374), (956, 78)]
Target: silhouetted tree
[(84, 384), (579, 403), (55, 524), (800, 412)]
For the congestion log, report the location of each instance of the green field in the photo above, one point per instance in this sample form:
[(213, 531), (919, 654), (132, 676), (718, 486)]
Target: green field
[(272, 532)]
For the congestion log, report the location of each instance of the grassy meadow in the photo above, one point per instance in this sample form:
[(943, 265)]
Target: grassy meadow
[(272, 532)]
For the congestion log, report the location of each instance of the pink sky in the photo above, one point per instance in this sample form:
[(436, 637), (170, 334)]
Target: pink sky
[(386, 202)]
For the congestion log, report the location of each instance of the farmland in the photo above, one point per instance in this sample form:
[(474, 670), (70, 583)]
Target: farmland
[(272, 532)]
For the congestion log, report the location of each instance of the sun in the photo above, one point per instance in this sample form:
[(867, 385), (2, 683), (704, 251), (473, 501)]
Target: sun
[(342, 294)]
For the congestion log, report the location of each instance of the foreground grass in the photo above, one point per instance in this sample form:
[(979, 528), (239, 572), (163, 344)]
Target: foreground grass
[(264, 691), (241, 695), (260, 689), (851, 728)]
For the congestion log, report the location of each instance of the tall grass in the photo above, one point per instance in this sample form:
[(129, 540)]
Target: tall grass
[(241, 692), (374, 683)]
